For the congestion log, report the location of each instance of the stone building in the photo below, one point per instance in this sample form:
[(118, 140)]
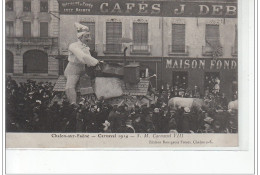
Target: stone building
[(32, 30)]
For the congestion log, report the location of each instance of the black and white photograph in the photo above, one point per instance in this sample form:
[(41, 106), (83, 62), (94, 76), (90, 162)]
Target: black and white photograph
[(153, 69)]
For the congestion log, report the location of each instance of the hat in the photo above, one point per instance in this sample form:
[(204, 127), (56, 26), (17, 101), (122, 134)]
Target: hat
[(208, 120), (81, 29), (156, 110), (187, 109), (172, 111)]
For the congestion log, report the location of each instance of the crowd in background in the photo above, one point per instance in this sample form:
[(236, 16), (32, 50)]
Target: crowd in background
[(30, 108)]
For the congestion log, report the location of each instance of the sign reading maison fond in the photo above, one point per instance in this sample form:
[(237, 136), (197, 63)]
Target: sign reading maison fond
[(219, 64), (149, 8)]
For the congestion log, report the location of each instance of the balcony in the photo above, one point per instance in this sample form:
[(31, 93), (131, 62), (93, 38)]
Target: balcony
[(234, 51), (178, 50), (113, 48), (140, 49), (32, 41), (210, 51)]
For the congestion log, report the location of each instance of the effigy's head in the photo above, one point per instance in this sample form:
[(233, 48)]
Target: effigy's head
[(83, 33)]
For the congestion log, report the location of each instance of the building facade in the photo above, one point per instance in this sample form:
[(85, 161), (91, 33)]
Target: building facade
[(32, 30), (185, 43)]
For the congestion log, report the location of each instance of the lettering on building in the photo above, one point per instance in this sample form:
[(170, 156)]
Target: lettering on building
[(227, 64), (149, 8)]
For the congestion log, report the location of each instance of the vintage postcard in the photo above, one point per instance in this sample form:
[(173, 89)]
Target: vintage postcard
[(121, 73)]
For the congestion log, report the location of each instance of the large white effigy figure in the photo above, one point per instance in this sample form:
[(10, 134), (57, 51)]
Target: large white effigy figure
[(79, 56)]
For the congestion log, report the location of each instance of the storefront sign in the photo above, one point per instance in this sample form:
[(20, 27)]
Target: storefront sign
[(201, 64), (149, 8)]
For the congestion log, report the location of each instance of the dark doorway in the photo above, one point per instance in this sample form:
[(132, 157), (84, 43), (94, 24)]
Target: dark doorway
[(35, 61), (9, 62), (180, 79), (210, 81)]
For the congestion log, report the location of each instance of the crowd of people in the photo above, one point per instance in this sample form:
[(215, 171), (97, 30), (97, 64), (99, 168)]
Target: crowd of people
[(30, 108)]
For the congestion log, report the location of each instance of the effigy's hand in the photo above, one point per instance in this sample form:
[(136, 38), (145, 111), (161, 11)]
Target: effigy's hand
[(99, 65)]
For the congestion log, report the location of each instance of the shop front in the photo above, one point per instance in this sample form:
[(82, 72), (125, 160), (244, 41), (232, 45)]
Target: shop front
[(207, 74)]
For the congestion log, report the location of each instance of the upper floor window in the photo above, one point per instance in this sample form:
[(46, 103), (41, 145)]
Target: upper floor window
[(113, 36), (9, 5), (44, 6), (26, 6), (178, 38), (9, 28), (44, 29), (212, 39), (212, 35), (140, 33), (140, 38), (91, 26), (234, 51), (27, 29)]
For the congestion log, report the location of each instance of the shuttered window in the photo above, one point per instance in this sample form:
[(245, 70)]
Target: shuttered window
[(44, 29), (178, 38), (91, 26), (26, 6), (140, 33), (27, 29), (9, 5), (9, 28), (113, 35), (43, 6), (212, 35), (236, 42)]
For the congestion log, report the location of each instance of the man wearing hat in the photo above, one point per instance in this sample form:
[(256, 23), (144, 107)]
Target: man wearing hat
[(186, 120), (79, 56)]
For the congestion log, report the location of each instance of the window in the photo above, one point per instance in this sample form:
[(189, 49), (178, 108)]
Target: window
[(9, 28), (236, 43), (212, 35), (178, 38), (44, 29), (9, 62), (140, 37), (211, 81), (9, 6), (180, 79), (91, 26), (35, 61), (140, 33), (27, 29), (113, 36), (26, 6), (213, 47), (44, 6)]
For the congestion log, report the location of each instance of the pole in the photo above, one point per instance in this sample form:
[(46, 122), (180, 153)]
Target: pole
[(162, 51), (156, 78), (125, 56)]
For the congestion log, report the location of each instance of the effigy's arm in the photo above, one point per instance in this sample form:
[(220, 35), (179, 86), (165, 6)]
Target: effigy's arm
[(83, 57)]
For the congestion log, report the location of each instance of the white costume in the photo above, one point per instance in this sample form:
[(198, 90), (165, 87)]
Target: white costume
[(79, 55)]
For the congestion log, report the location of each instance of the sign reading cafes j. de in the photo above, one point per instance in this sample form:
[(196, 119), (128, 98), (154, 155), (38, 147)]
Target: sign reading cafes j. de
[(218, 9)]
